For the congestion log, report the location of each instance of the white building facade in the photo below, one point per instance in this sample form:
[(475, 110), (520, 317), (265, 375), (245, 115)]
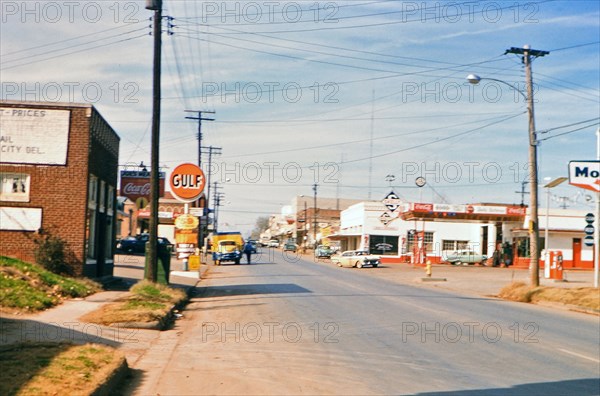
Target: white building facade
[(482, 228)]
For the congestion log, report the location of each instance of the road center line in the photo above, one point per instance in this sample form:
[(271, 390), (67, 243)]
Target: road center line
[(579, 355)]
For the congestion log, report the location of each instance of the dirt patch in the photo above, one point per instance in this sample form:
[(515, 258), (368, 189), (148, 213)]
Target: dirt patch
[(585, 297)]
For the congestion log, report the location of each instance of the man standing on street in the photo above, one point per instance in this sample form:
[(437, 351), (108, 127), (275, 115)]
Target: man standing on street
[(248, 248)]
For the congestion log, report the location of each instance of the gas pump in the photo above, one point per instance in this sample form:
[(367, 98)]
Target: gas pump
[(556, 264)]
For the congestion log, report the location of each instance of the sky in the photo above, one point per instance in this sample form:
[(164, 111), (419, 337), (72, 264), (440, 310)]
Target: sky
[(338, 93)]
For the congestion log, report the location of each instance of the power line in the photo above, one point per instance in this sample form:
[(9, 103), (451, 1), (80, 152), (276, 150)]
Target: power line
[(575, 46), (421, 19)]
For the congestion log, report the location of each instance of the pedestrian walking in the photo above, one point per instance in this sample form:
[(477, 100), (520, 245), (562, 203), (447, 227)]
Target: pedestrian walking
[(248, 248)]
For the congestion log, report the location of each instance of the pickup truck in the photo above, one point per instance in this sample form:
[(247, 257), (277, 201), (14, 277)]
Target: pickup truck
[(227, 250)]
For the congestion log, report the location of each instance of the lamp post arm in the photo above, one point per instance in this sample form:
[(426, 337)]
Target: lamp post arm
[(508, 84)]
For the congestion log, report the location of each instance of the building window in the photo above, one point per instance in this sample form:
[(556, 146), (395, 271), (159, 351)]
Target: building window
[(90, 234), (92, 192), (383, 245), (108, 243), (427, 240), (15, 187), (110, 200), (102, 198), (454, 245)]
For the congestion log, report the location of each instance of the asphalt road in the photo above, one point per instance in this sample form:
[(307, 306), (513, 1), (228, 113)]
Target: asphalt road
[(282, 326)]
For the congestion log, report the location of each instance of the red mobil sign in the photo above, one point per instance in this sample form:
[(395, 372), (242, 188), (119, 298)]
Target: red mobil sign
[(136, 184)]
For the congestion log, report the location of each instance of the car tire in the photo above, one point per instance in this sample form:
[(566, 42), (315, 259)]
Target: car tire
[(375, 265), (358, 264), (339, 265)]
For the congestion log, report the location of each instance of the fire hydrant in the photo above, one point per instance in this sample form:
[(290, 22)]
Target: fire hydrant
[(428, 269)]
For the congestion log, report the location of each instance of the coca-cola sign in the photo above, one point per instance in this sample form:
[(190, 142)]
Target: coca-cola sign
[(139, 187)]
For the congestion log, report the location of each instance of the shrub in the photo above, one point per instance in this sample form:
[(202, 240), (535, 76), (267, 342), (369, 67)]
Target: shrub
[(51, 253)]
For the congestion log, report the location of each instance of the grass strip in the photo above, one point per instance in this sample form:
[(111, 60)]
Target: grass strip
[(56, 368)]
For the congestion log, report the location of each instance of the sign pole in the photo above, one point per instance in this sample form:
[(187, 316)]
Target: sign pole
[(597, 233)]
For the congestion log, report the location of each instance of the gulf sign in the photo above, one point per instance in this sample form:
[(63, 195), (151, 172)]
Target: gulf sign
[(585, 174), (187, 182)]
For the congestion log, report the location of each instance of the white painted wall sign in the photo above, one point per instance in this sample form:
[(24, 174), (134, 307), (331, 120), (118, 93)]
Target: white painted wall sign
[(34, 136), (20, 219)]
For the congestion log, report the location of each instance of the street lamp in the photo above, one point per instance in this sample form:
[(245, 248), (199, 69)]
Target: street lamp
[(548, 186), (534, 231)]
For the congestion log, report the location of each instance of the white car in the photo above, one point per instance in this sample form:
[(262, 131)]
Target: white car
[(274, 243), (356, 258), (464, 256)]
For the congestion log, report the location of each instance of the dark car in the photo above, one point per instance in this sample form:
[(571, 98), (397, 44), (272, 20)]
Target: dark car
[(137, 244), (290, 247), (323, 251)]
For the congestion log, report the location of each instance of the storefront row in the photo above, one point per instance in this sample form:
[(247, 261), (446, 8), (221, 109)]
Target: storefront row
[(493, 235)]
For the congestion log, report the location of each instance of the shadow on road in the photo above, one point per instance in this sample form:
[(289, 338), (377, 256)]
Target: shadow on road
[(251, 289), (581, 387)]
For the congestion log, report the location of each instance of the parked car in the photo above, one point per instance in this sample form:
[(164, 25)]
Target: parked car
[(274, 243), (356, 258), (290, 247), (137, 244), (464, 256), (323, 251)]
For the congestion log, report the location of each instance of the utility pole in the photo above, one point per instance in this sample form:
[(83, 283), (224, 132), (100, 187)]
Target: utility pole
[(152, 259), (534, 229), (523, 192), (210, 150), (315, 215), (200, 119), (204, 227), (204, 210), (216, 203)]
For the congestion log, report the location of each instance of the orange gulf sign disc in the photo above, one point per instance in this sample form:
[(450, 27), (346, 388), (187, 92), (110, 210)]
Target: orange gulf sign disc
[(187, 182)]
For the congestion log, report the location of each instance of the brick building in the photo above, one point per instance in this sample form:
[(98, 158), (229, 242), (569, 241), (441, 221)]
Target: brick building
[(58, 168)]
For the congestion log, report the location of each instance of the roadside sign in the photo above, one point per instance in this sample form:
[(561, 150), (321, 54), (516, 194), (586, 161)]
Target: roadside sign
[(385, 218), (392, 201), (589, 218), (187, 182), (585, 174), (589, 230)]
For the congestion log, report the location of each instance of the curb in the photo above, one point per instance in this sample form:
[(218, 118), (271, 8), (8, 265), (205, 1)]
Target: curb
[(164, 322), (568, 307), (113, 381)]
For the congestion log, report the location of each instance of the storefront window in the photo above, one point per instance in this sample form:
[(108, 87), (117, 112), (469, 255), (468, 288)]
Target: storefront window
[(427, 240), (102, 199), (92, 192), (90, 233), (90, 225), (108, 244), (383, 245)]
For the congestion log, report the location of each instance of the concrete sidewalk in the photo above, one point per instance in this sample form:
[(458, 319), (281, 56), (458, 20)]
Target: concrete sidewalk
[(62, 324)]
